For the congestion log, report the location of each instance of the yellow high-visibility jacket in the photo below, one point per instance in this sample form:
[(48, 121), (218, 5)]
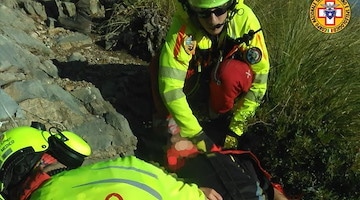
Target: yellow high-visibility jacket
[(118, 179), (174, 64)]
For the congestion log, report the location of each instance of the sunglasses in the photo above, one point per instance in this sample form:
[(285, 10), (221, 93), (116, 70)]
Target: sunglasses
[(207, 13)]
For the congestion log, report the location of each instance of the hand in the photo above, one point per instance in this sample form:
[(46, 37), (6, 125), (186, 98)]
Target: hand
[(203, 142), (211, 194), (180, 148), (244, 142), (231, 141), (237, 142), (177, 138), (183, 146), (278, 195)]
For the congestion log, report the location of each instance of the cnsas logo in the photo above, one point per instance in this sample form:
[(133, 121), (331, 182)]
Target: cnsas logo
[(330, 16)]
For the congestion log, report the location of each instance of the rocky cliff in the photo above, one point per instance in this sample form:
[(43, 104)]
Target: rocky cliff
[(63, 79)]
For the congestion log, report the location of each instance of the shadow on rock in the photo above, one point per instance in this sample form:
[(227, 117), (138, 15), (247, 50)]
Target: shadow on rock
[(126, 87)]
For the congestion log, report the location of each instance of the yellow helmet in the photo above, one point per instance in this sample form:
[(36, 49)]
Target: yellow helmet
[(206, 4), (20, 149)]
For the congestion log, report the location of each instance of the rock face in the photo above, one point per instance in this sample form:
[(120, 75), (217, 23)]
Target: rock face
[(33, 88)]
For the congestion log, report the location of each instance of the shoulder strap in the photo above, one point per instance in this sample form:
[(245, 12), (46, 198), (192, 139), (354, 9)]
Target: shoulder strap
[(252, 156)]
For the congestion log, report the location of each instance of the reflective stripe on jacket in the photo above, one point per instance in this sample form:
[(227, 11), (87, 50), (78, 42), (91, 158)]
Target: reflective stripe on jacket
[(174, 63), (123, 178)]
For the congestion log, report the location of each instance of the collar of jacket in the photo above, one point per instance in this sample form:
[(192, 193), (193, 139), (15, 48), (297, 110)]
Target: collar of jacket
[(33, 183)]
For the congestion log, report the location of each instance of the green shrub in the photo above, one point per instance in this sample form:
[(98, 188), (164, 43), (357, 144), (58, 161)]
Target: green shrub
[(310, 116)]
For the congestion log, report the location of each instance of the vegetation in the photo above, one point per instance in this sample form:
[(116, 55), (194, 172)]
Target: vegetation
[(137, 26), (309, 121)]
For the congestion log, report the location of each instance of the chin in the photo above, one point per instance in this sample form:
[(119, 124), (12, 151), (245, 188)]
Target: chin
[(214, 32)]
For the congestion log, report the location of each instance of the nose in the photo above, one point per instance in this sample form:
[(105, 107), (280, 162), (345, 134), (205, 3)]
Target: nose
[(213, 19)]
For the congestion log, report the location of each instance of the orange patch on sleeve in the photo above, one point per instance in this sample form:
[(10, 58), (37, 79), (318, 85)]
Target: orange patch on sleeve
[(179, 40)]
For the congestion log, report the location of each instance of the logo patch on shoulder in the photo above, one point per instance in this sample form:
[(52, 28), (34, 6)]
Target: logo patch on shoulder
[(189, 44), (253, 55)]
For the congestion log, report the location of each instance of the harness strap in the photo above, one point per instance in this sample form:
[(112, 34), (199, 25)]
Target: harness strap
[(255, 159), (225, 177), (261, 172)]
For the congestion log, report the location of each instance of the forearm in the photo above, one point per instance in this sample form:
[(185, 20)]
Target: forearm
[(182, 114), (176, 189), (245, 108), (172, 74)]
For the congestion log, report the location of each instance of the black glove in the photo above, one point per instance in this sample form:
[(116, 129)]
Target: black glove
[(202, 142)]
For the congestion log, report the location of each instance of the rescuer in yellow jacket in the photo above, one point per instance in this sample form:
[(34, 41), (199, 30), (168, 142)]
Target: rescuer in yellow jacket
[(213, 64), (118, 179), (39, 164)]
